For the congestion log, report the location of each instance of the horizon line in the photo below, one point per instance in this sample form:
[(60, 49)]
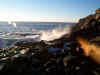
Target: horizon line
[(42, 21)]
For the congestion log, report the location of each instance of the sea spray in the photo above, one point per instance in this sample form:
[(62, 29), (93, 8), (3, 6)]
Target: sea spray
[(14, 24), (54, 34)]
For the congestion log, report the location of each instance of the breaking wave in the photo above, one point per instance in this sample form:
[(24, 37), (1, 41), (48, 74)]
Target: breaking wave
[(54, 34)]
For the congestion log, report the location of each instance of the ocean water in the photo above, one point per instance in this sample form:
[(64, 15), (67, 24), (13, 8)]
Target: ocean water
[(10, 32)]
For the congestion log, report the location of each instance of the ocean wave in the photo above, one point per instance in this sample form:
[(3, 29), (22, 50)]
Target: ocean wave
[(8, 39)]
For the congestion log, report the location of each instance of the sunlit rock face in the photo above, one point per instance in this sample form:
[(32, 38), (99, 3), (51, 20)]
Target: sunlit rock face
[(88, 35)]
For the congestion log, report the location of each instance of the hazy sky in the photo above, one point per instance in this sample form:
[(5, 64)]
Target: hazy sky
[(46, 10)]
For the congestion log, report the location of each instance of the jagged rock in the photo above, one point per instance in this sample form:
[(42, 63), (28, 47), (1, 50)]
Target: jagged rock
[(88, 27)]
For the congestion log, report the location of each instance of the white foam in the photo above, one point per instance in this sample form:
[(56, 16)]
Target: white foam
[(54, 34)]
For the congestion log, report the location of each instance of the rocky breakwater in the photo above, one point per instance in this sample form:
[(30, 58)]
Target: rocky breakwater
[(66, 55)]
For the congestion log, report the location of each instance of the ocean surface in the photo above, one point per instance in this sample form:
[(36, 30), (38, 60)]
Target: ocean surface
[(11, 32)]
